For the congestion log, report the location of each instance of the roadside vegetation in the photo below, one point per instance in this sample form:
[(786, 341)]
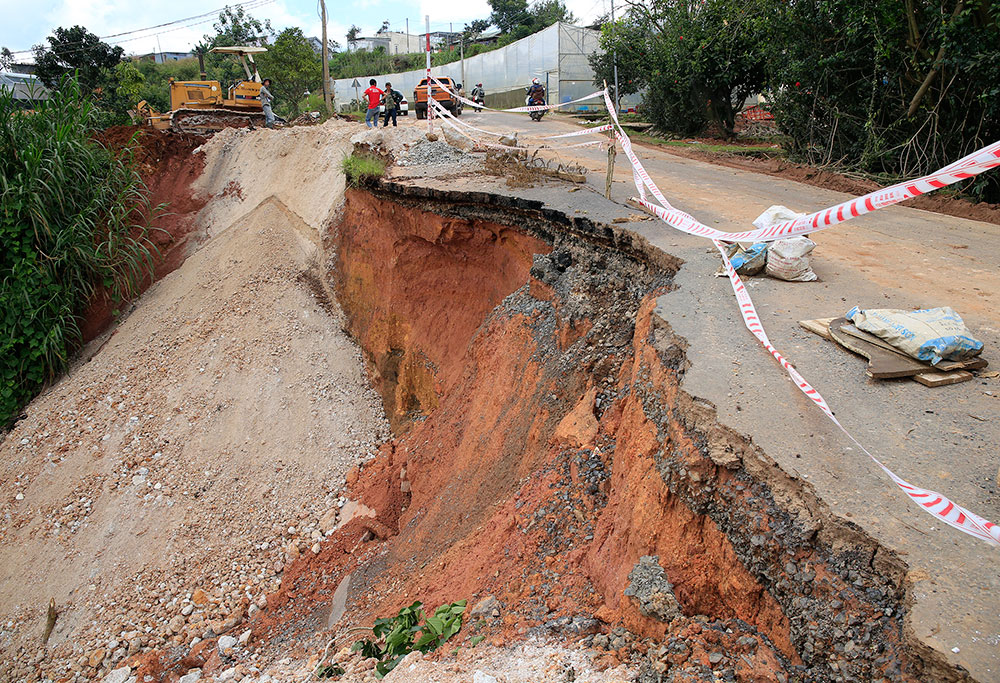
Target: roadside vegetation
[(360, 169), (74, 217), (881, 89)]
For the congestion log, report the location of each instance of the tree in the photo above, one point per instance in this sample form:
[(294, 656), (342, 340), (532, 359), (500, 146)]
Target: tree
[(385, 27), (697, 64), (475, 28), (507, 15), (76, 49), (889, 88), (234, 27), (352, 35), (548, 12), (6, 59), (293, 68)]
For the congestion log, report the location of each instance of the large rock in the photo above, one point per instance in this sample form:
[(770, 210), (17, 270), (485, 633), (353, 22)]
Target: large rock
[(226, 643), (579, 428), (650, 589), (118, 675)]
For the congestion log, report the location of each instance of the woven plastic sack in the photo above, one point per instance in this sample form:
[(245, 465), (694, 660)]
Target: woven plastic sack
[(749, 261), (930, 335), (774, 215), (788, 259)]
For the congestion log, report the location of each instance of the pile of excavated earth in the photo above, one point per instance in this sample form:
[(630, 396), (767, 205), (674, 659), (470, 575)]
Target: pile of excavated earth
[(336, 401)]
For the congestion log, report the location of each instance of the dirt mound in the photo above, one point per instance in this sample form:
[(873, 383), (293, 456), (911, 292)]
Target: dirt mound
[(157, 491)]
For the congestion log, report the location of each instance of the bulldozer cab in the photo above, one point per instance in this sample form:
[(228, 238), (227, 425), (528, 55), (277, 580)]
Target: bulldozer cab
[(244, 93)]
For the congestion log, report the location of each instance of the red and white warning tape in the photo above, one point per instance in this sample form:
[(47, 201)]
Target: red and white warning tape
[(528, 108), (455, 122), (989, 157)]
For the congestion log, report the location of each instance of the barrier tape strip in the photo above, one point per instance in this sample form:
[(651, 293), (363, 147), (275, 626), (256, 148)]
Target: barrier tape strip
[(599, 129), (452, 119), (931, 502), (527, 108), (967, 167)]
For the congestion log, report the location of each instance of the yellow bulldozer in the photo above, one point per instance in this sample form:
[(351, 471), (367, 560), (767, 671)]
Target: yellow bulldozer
[(203, 107)]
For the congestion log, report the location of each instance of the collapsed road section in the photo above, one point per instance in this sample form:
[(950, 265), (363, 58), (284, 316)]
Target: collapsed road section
[(551, 469), (558, 458)]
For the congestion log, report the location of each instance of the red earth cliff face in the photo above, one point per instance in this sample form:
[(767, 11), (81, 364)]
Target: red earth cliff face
[(416, 286), (545, 447)]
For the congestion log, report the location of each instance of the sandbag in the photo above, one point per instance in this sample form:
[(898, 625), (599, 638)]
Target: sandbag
[(788, 259), (930, 335), (775, 214)]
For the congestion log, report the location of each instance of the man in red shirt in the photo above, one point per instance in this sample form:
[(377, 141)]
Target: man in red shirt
[(374, 95)]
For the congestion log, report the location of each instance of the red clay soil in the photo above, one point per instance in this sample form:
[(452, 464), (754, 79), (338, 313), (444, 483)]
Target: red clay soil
[(437, 278), (168, 167), (831, 180), (508, 484)]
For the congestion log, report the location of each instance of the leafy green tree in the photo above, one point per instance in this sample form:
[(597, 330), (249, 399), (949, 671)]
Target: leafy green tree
[(886, 88), (507, 15), (76, 50), (697, 64), (547, 12), (6, 59), (352, 35), (234, 27), (293, 67), (155, 86)]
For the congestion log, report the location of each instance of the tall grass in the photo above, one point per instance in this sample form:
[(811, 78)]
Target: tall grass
[(74, 216)]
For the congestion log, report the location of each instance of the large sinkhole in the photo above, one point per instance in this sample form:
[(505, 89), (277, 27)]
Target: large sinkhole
[(546, 461)]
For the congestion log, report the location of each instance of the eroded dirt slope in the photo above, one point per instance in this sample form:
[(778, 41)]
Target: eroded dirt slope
[(157, 490)]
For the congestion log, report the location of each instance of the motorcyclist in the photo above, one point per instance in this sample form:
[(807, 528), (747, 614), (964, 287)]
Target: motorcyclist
[(536, 96), (536, 92)]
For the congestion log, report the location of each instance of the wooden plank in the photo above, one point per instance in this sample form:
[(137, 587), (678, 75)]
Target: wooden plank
[(940, 379), (820, 326)]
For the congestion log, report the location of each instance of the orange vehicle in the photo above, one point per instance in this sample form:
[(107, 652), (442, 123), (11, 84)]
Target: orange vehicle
[(444, 98)]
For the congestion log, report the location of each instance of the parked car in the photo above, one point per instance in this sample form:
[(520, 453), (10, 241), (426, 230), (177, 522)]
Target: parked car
[(448, 101), (404, 108)]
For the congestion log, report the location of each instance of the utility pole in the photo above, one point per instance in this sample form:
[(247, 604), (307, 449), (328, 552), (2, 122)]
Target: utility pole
[(326, 63), (430, 108), (614, 56), (461, 48), (407, 36)]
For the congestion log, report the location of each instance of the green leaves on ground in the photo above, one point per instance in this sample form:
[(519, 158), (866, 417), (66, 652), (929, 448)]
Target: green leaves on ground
[(73, 217), (394, 636)]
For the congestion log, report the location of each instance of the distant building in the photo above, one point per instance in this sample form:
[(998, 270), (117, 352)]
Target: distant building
[(163, 57), (27, 88), (397, 43)]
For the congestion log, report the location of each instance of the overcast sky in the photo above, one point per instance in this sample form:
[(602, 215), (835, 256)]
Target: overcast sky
[(24, 24)]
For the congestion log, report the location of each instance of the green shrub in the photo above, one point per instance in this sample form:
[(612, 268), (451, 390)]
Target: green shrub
[(73, 217), (359, 169), (394, 636)]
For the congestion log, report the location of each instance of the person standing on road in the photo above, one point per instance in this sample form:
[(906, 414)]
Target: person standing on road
[(266, 98), (391, 99), (374, 95)]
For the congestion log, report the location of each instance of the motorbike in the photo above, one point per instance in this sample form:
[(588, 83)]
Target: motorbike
[(536, 101), (479, 98)]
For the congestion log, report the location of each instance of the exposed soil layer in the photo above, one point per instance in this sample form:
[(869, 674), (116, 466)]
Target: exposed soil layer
[(549, 468), (168, 166)]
